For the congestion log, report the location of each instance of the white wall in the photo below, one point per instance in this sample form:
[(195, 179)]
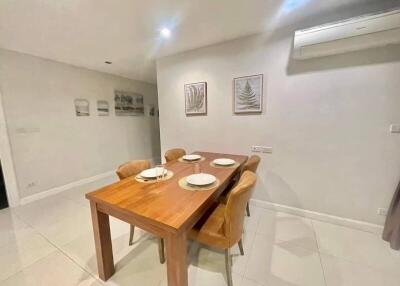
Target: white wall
[(327, 120), (50, 145)]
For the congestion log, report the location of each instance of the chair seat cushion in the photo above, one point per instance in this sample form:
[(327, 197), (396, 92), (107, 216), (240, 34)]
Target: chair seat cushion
[(211, 230)]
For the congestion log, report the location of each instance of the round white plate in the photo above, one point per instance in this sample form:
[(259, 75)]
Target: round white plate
[(200, 179), (192, 157), (152, 173), (224, 162)]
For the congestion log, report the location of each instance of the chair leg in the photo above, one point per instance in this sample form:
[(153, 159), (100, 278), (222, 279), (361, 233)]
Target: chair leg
[(248, 209), (131, 233), (161, 250), (228, 265), (241, 247)]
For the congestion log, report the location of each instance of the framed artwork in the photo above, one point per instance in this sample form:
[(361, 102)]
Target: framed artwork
[(248, 94), (196, 98), (81, 107), (150, 110), (103, 108), (128, 103)]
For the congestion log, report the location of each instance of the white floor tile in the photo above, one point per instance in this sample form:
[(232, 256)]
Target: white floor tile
[(248, 282), (207, 267), (11, 227), (23, 252), (82, 251), (340, 272), (251, 222), (55, 269), (287, 228), (357, 246), (283, 264), (280, 250), (48, 211), (63, 231)]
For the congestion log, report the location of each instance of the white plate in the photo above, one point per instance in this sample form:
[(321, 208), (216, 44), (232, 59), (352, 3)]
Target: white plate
[(192, 157), (152, 173), (224, 162), (200, 179)]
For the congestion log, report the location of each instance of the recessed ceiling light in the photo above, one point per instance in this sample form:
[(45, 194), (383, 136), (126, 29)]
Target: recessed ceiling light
[(108, 62), (165, 32)]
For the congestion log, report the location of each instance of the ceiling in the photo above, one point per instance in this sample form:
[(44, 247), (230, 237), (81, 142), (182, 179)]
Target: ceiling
[(86, 33)]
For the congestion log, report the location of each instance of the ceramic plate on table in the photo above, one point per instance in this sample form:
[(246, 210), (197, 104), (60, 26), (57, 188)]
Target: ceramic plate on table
[(193, 157), (224, 162), (200, 179), (152, 173)]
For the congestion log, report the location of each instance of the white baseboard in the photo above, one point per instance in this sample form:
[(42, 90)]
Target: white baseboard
[(56, 190), (63, 188), (360, 225)]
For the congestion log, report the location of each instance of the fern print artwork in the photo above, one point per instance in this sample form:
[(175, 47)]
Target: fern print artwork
[(196, 98), (248, 94)]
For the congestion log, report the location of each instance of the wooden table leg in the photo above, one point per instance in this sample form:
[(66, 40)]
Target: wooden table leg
[(176, 259), (102, 240)]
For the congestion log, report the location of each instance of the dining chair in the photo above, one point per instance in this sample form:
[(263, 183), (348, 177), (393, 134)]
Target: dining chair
[(250, 165), (174, 154), (223, 228), (129, 169)]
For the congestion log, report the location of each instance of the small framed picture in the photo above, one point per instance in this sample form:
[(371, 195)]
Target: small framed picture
[(102, 108), (248, 94), (196, 98), (128, 103), (81, 107)]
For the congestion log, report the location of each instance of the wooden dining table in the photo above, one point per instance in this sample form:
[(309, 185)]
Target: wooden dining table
[(162, 208)]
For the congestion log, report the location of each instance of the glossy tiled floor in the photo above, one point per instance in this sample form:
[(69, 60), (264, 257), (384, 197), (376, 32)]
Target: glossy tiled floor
[(49, 242)]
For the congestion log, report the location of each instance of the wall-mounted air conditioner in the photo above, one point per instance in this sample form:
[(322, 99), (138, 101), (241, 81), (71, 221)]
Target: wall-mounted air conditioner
[(349, 35)]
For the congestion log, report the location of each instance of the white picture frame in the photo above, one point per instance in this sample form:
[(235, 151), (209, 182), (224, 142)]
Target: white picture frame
[(196, 98), (248, 94), (103, 108), (82, 107), (128, 103)]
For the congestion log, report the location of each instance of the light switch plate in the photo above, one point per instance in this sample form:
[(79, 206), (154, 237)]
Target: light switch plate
[(395, 128), (256, 149), (261, 149)]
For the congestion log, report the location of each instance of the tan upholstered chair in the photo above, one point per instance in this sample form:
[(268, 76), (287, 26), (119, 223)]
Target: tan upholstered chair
[(129, 169), (174, 154), (132, 168), (224, 227), (251, 165)]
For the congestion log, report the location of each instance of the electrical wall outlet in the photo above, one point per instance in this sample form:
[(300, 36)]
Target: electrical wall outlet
[(261, 149), (31, 185), (395, 128), (382, 211)]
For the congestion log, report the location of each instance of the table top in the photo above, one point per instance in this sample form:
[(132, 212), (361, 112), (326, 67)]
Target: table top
[(166, 203)]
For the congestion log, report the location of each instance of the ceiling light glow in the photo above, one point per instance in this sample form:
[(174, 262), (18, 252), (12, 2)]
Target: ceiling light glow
[(290, 5), (165, 33)]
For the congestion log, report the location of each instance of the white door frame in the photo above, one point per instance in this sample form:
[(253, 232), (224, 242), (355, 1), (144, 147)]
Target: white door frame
[(7, 162)]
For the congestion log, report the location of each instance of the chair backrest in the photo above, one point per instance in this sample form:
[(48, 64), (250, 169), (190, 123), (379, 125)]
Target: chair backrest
[(236, 206), (174, 154), (132, 168), (252, 164)]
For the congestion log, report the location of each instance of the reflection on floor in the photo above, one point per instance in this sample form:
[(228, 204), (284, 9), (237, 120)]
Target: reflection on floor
[(49, 242)]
